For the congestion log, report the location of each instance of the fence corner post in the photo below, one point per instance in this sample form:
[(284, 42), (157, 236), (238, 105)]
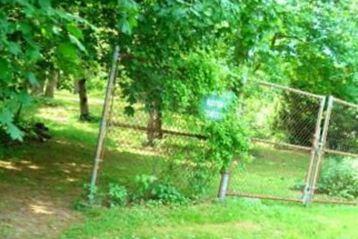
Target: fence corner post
[(224, 182)]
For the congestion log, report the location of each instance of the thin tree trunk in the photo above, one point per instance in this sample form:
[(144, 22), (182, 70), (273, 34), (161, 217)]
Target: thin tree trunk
[(159, 124), (39, 88), (52, 83), (154, 124), (82, 92)]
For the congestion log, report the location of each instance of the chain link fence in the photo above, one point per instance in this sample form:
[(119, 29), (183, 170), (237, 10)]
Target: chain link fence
[(282, 115), (287, 127), (167, 146)]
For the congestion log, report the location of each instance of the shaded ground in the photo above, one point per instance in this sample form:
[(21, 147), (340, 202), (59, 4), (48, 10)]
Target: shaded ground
[(32, 214), (38, 188), (41, 182)]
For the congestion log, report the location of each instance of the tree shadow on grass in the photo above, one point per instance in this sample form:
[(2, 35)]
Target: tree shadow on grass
[(40, 181)]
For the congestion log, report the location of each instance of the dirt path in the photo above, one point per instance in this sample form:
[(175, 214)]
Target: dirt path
[(26, 213), (38, 188)]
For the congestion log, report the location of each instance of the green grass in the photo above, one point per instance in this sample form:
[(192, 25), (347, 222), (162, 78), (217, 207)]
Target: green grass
[(233, 219), (272, 172), (49, 176)]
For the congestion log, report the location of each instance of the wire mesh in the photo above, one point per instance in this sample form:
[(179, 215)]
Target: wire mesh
[(168, 146), (272, 172), (338, 179), (284, 124), (338, 176), (343, 128), (281, 115)]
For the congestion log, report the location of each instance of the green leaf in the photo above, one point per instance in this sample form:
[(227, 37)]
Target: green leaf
[(25, 28), (75, 41), (14, 132), (24, 98), (33, 54), (75, 31), (68, 52), (125, 27), (32, 79), (29, 9), (5, 70), (5, 117), (45, 4), (14, 48), (56, 30)]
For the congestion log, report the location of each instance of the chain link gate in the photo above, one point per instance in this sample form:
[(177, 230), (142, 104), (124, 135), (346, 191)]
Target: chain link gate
[(286, 126), (293, 130)]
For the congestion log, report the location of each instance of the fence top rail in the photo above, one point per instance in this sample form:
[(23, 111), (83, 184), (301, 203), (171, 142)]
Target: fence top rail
[(265, 83), (341, 153), (343, 102)]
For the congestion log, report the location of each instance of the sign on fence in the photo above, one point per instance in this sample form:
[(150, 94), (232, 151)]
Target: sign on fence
[(215, 105)]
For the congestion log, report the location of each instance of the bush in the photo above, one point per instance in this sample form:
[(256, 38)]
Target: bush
[(89, 198), (339, 177), (150, 188), (117, 195)]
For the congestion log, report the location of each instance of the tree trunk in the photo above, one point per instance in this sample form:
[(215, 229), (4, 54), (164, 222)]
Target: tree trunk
[(154, 124), (38, 89), (51, 83), (82, 92)]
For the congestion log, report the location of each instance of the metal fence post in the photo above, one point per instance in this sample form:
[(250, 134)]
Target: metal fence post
[(323, 141), (315, 148), (104, 119), (224, 183)]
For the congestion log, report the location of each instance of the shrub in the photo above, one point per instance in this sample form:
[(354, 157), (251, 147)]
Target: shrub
[(89, 198), (150, 188), (117, 195), (339, 177)]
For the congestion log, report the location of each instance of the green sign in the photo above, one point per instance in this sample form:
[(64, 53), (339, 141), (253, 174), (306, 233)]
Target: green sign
[(214, 106)]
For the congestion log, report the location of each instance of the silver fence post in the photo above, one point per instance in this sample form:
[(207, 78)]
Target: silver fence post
[(322, 145), (104, 119), (315, 148), (224, 183)]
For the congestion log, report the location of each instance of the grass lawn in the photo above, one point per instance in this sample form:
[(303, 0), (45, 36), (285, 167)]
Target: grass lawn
[(233, 219), (39, 183)]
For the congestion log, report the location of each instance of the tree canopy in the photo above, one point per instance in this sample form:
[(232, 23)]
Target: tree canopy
[(175, 51)]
